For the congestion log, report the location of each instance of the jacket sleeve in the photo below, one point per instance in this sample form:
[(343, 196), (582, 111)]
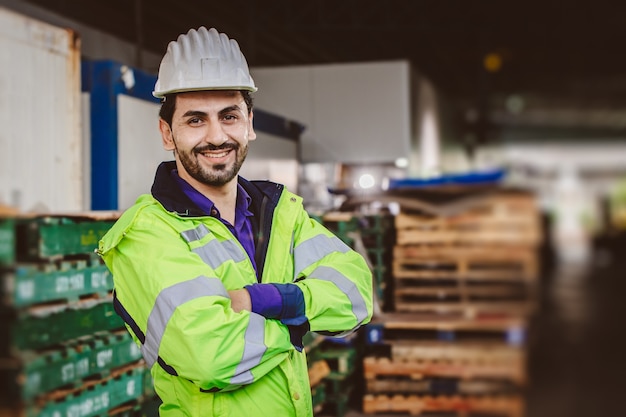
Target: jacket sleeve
[(331, 291), (178, 308)]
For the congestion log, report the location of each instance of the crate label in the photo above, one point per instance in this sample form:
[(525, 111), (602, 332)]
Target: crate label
[(67, 372), (73, 370), (130, 388), (26, 289), (33, 381), (88, 406), (135, 352), (6, 241), (70, 283), (82, 367), (91, 238), (99, 279), (104, 358)]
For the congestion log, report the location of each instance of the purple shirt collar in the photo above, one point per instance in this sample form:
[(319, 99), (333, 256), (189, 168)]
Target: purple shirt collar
[(207, 206)]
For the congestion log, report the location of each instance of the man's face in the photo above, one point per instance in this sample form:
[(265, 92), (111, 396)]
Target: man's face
[(209, 134)]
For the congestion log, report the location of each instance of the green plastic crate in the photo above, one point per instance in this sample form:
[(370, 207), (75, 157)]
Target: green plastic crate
[(53, 237), (341, 360), (39, 373), (45, 327), (96, 400), (65, 281), (7, 241), (318, 396)]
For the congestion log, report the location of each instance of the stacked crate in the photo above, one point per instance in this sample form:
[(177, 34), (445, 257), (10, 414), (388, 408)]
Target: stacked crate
[(373, 235), (318, 369), (342, 360), (63, 350), (378, 234), (464, 287)]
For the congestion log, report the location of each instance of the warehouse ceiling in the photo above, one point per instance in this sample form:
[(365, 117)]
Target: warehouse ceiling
[(565, 54)]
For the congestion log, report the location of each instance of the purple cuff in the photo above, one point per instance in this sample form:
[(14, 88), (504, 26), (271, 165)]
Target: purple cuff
[(265, 299)]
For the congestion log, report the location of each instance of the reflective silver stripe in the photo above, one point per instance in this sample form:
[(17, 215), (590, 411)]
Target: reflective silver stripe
[(253, 350), (359, 308), (195, 234), (167, 301), (214, 253), (313, 250)]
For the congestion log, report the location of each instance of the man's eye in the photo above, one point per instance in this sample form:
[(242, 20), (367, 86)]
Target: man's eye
[(230, 117), (194, 120)]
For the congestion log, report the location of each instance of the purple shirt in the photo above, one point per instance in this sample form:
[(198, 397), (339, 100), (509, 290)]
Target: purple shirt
[(242, 230)]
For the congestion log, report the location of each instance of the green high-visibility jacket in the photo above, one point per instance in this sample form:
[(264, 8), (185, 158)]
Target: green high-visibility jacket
[(172, 268)]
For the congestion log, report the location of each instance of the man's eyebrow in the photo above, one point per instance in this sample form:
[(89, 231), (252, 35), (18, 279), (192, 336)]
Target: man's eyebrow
[(229, 109), (194, 113), (198, 113)]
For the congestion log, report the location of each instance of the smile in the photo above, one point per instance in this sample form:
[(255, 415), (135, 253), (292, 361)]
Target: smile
[(215, 155)]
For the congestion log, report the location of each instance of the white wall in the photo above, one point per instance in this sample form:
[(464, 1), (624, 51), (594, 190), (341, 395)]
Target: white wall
[(140, 149), (354, 113), (41, 160), (272, 158)]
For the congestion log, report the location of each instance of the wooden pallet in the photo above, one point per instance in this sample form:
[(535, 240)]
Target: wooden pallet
[(409, 321), (472, 352), (388, 328), (510, 406), (471, 263), (468, 309), (472, 229), (499, 219), (460, 293), (438, 386), (376, 368), (466, 300)]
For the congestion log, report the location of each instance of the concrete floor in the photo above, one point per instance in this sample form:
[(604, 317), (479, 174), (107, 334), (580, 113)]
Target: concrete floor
[(577, 342), (578, 351)]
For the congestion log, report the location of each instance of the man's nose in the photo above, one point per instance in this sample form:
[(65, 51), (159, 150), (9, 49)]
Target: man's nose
[(215, 134)]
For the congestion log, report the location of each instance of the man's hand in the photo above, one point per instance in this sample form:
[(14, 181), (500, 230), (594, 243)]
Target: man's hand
[(240, 300)]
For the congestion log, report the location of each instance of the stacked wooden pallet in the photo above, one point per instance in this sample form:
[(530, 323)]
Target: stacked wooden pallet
[(423, 363), (464, 286), (63, 350), (480, 260)]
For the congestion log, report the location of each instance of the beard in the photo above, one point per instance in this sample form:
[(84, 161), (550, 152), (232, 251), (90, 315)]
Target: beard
[(217, 175)]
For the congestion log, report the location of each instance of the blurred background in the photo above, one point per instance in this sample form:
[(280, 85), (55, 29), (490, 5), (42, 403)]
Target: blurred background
[(475, 152)]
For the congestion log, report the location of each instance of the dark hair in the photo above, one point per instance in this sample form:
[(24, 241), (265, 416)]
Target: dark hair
[(168, 105)]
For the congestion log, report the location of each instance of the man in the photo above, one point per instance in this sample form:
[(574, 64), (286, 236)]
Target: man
[(218, 278)]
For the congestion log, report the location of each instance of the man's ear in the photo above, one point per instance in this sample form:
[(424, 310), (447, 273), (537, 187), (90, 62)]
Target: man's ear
[(251, 132), (166, 135)]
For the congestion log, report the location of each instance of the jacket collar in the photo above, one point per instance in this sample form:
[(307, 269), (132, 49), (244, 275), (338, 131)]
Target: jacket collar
[(167, 191)]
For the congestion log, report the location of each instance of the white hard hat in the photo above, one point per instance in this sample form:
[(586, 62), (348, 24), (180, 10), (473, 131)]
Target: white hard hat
[(203, 60)]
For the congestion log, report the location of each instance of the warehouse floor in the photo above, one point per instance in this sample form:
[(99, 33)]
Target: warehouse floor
[(577, 349), (577, 363)]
